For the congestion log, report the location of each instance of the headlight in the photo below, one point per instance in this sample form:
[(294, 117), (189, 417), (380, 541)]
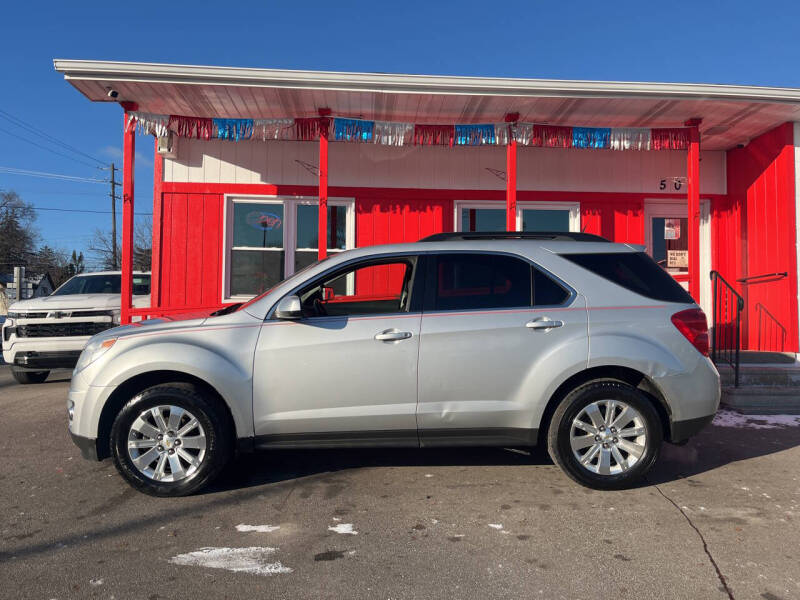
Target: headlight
[(115, 316), (93, 350)]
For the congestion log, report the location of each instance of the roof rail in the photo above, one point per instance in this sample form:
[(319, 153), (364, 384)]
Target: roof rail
[(560, 236)]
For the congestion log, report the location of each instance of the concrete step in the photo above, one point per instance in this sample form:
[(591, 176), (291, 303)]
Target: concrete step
[(763, 400), (774, 375)]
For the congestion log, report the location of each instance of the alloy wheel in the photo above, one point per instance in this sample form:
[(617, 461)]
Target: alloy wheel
[(166, 443), (608, 437)]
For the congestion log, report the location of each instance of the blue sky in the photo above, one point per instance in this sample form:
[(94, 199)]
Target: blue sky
[(699, 41)]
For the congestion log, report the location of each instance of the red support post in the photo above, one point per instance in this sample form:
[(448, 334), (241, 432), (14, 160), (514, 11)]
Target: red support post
[(693, 206), (323, 183), (128, 154), (511, 186)]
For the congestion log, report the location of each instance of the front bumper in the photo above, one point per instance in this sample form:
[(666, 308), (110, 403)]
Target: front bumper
[(88, 446), (33, 360)]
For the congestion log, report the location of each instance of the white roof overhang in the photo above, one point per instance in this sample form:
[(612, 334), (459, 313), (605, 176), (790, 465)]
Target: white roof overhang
[(731, 114)]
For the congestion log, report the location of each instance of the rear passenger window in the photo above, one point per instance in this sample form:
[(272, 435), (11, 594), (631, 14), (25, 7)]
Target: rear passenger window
[(479, 281), (635, 271), (547, 292)]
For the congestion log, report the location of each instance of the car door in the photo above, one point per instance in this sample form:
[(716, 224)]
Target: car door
[(490, 323), (346, 373)]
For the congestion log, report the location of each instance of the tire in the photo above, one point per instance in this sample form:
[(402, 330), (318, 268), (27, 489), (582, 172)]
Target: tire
[(26, 377), (603, 470), (213, 430)]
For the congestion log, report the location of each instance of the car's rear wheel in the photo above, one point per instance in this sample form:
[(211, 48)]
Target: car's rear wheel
[(605, 435), (171, 440), (26, 377)]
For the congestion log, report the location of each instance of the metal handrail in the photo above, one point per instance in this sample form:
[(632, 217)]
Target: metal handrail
[(764, 276), (726, 344)]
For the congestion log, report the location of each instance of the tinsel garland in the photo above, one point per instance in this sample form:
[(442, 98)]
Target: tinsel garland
[(233, 129), (474, 135), (400, 134), (590, 137), (629, 138), (309, 129), (434, 135), (392, 134), (669, 139), (352, 130), (551, 136), (273, 129), (198, 127)]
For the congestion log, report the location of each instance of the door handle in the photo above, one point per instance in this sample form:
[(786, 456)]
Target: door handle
[(392, 335), (543, 323)]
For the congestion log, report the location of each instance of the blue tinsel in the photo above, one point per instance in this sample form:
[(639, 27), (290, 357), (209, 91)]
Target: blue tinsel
[(590, 137), (352, 130), (474, 135), (234, 129)]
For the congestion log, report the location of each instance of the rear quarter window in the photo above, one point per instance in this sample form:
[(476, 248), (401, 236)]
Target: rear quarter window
[(635, 271)]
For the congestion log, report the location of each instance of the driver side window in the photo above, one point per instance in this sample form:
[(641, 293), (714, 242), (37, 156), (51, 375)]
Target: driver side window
[(368, 288)]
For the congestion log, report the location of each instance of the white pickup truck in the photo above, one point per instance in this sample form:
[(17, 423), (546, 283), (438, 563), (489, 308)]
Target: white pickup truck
[(49, 333)]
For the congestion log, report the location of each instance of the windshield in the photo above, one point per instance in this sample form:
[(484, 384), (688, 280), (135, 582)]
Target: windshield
[(102, 284), (295, 276)]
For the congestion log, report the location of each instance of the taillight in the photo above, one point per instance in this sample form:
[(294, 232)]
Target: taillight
[(692, 324)]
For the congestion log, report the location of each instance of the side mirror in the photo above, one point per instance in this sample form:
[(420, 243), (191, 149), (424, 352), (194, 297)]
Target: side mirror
[(289, 308)]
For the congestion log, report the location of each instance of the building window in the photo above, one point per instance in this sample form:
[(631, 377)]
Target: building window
[(270, 238), (531, 216)]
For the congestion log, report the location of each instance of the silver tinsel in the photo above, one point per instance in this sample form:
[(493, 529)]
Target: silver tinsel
[(150, 124), (273, 129), (630, 138), (392, 134)]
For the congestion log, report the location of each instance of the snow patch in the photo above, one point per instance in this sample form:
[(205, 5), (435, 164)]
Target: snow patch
[(254, 560), (258, 528), (497, 526), (343, 528), (729, 418)]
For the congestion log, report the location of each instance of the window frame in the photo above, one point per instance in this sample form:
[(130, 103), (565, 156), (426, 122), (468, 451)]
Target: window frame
[(416, 288), (430, 278), (290, 204), (574, 209)]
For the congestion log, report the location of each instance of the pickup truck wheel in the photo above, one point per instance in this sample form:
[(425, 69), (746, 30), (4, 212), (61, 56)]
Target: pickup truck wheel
[(26, 377), (171, 440), (605, 435)]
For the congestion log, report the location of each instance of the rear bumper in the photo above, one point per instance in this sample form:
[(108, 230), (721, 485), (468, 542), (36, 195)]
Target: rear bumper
[(46, 360), (88, 446), (680, 431)]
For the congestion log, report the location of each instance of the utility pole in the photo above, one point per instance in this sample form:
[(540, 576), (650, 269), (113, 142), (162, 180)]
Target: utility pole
[(114, 199)]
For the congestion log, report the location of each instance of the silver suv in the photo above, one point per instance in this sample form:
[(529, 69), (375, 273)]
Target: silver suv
[(564, 340)]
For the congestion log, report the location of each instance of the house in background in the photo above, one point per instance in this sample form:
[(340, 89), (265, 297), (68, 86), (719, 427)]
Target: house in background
[(703, 176), (34, 286)]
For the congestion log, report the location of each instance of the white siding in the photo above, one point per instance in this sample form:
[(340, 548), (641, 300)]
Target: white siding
[(371, 165)]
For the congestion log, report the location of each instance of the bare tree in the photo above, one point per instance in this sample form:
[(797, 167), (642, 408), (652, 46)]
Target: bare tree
[(102, 247), (18, 235)]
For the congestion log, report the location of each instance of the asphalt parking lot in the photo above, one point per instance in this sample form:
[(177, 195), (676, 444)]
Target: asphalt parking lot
[(718, 518)]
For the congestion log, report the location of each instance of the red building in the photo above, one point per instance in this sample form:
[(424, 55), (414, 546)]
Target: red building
[(704, 176)]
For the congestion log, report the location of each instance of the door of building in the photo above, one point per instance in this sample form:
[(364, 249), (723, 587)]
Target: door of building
[(667, 241)]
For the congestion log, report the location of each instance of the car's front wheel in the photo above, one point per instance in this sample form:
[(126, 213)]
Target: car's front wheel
[(171, 440), (26, 377), (605, 435)]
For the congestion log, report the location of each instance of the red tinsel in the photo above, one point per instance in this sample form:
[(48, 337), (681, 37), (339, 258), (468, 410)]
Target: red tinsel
[(434, 135), (552, 136), (198, 127), (308, 129), (676, 138)]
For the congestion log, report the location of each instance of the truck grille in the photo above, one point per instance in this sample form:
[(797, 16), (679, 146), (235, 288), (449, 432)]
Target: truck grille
[(61, 329)]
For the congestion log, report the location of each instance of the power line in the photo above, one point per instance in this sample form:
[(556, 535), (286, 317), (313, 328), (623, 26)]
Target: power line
[(36, 131), (16, 171), (11, 133), (81, 210)]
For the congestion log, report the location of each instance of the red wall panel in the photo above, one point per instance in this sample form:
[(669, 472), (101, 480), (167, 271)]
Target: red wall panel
[(761, 185)]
